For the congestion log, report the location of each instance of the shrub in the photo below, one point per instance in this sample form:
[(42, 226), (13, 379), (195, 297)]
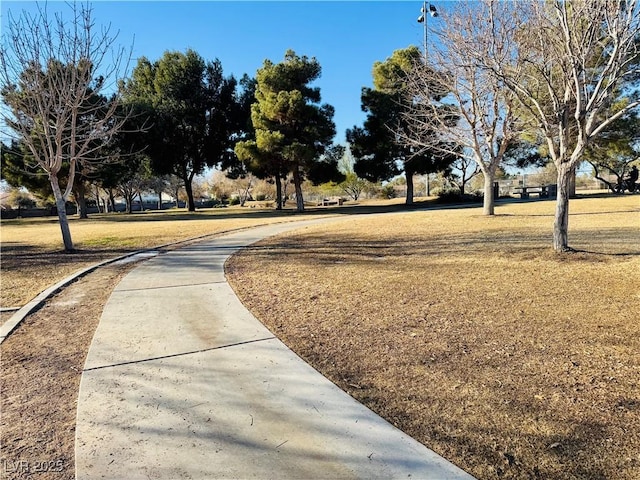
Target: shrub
[(452, 195), (20, 199), (388, 191)]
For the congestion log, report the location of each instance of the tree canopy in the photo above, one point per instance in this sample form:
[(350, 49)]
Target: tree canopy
[(50, 84), (575, 60), (376, 146), (292, 128), (457, 107), (195, 113)]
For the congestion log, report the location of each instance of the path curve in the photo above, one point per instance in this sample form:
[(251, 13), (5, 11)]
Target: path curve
[(181, 381)]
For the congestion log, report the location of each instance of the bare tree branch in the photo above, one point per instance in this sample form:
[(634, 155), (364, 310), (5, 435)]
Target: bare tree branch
[(576, 73), (476, 116), (52, 75)]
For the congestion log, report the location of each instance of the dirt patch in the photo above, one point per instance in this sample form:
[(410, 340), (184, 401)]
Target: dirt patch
[(42, 361)]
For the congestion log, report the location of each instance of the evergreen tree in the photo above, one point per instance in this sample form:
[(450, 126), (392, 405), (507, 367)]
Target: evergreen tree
[(379, 153), (194, 113), (292, 128)]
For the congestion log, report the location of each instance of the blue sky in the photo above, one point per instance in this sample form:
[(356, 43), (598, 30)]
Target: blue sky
[(346, 37)]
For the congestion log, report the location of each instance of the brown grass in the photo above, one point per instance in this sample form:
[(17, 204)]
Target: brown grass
[(42, 361), (33, 260), (465, 331), (469, 333)]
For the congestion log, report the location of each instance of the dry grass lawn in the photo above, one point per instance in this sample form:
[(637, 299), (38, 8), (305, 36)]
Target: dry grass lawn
[(469, 333), (42, 360), (33, 260), (465, 331)]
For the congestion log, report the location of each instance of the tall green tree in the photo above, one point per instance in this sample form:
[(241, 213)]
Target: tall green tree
[(14, 169), (195, 114), (377, 147), (615, 151), (292, 128), (236, 167)]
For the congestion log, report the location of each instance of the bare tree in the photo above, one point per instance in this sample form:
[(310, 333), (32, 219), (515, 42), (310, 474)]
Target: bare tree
[(467, 170), (52, 73), (576, 73), (128, 188), (475, 118), (243, 187)]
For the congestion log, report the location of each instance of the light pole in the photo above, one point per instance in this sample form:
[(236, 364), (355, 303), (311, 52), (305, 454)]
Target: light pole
[(431, 10), (423, 20)]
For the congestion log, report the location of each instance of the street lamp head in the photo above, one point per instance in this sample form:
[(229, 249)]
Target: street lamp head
[(421, 19), (433, 11)]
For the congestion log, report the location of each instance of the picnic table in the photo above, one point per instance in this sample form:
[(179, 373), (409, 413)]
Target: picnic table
[(332, 201), (543, 191)]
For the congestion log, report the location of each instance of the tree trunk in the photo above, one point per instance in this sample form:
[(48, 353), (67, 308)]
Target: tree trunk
[(278, 192), (489, 202), (81, 200), (159, 200), (561, 222), (572, 183), (191, 205), (245, 197), (285, 194), (62, 213), (297, 182), (81, 203), (112, 200), (98, 200), (409, 197)]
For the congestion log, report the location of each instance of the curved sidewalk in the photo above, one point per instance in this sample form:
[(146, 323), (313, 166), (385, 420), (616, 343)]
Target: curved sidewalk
[(181, 381)]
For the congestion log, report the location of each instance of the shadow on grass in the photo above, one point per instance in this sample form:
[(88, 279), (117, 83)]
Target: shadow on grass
[(513, 242), (248, 213), (25, 256), (335, 248), (571, 214)]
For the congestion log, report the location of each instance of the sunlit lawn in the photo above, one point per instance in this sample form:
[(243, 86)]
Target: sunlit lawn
[(32, 257), (469, 332)]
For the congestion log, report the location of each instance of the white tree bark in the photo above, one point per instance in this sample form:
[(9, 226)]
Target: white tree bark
[(485, 123), (49, 75), (573, 58), (488, 202), (62, 213)]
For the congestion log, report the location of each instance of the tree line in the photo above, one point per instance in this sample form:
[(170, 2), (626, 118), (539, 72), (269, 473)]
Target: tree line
[(526, 83)]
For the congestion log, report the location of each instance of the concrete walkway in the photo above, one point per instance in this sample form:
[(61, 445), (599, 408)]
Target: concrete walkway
[(181, 381)]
